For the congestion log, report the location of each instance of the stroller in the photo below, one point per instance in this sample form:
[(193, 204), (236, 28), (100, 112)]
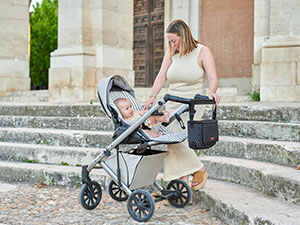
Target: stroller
[(136, 167)]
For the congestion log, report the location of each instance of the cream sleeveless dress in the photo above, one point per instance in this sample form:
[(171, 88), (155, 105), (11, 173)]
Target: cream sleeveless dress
[(185, 78)]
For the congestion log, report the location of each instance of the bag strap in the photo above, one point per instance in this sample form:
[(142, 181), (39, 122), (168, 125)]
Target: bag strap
[(214, 113), (192, 110)]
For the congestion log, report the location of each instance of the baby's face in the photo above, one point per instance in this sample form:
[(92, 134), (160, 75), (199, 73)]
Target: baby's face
[(126, 109)]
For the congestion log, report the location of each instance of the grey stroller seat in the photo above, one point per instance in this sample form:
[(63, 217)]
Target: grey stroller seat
[(167, 136)]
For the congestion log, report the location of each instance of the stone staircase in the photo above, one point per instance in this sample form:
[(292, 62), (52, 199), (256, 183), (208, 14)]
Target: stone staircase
[(252, 169)]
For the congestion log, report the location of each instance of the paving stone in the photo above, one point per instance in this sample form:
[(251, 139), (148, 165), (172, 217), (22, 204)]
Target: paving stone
[(27, 204)]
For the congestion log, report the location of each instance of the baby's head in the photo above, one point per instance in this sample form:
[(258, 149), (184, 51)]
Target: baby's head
[(125, 107)]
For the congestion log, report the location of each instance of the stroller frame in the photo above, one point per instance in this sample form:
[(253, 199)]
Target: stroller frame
[(177, 192)]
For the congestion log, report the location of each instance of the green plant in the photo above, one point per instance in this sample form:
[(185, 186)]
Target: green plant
[(64, 163), (256, 96), (162, 183), (51, 181), (79, 165), (91, 101), (43, 41), (43, 177), (75, 178), (29, 160)]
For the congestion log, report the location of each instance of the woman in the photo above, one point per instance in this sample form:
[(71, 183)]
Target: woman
[(183, 66)]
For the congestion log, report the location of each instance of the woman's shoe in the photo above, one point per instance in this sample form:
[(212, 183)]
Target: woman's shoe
[(199, 179)]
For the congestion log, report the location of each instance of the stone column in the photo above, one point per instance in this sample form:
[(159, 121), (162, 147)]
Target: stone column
[(94, 41), (14, 46), (261, 33), (280, 74)]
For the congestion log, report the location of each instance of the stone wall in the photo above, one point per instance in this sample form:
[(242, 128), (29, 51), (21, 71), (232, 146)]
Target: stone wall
[(280, 58), (94, 41), (14, 60)]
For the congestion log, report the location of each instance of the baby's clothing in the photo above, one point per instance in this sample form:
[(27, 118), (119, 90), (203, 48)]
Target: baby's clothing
[(153, 127)]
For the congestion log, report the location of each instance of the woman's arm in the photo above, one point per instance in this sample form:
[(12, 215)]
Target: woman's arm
[(207, 61), (159, 80)]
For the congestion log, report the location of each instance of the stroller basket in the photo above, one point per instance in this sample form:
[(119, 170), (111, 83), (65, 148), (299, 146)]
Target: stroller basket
[(137, 170)]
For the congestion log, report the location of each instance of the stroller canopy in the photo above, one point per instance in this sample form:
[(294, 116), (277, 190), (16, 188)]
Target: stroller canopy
[(112, 83)]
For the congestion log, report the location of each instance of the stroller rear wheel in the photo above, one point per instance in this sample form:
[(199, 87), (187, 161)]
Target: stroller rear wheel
[(90, 195), (182, 193), (116, 192), (140, 205)]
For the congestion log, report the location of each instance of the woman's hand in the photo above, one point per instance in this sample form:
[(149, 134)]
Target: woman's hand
[(151, 101), (214, 96)]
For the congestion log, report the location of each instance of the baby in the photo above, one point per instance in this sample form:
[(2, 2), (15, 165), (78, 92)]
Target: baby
[(131, 115)]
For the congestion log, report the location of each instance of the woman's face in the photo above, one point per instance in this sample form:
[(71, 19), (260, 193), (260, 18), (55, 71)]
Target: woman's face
[(174, 40)]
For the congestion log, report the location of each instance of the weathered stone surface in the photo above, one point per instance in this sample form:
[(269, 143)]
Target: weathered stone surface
[(277, 152), (94, 139), (237, 204), (74, 123), (278, 181)]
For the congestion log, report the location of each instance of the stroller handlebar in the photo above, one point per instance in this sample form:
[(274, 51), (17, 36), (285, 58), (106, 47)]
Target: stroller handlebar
[(198, 99)]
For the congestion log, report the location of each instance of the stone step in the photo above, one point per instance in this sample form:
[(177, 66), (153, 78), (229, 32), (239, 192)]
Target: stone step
[(274, 180), (26, 96), (48, 109), (73, 123), (259, 111), (21, 172), (260, 130), (284, 112), (227, 94), (251, 129), (277, 152), (73, 156), (55, 137), (236, 204)]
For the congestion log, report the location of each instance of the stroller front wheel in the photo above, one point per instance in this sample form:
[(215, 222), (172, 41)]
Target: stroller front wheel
[(116, 192), (90, 195), (140, 205), (182, 193)]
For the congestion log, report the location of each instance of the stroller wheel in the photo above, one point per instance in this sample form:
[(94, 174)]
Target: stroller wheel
[(182, 193), (116, 192), (140, 205), (90, 195)]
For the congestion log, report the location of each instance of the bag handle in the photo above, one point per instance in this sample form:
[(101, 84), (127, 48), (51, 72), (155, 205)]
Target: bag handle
[(192, 111)]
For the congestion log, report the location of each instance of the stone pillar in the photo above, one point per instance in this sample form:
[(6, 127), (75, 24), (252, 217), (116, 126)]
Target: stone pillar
[(14, 46), (261, 33), (94, 41), (280, 74)]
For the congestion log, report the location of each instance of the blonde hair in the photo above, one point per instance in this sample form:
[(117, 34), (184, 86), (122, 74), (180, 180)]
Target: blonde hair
[(187, 43)]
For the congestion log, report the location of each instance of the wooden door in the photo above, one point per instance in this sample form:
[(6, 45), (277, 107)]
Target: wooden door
[(148, 42)]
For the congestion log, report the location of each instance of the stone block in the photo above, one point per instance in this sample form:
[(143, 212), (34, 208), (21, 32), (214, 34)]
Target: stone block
[(283, 93), (278, 74), (255, 76), (12, 11), (114, 57), (298, 74), (59, 77), (284, 18), (10, 84), (281, 54), (14, 68)]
